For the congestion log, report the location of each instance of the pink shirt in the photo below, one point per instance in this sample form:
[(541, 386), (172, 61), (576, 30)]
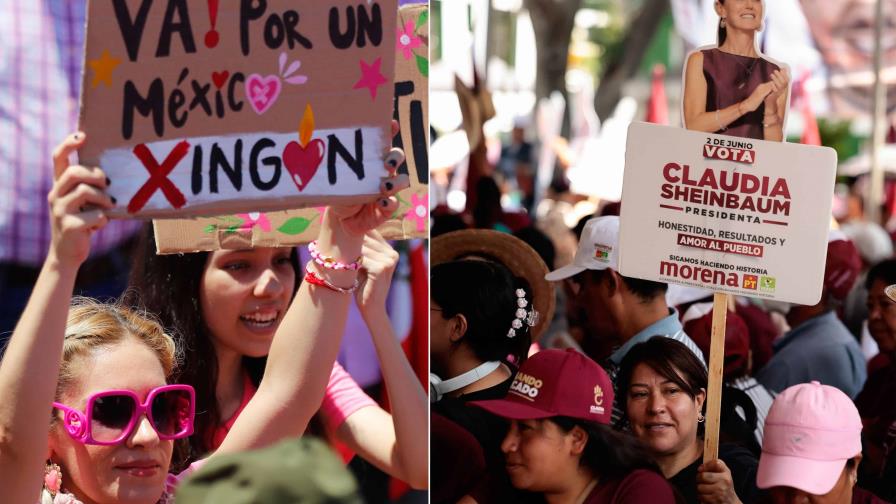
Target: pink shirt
[(342, 398)]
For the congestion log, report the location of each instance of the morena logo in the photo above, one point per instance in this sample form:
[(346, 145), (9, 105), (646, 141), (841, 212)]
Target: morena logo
[(602, 252)]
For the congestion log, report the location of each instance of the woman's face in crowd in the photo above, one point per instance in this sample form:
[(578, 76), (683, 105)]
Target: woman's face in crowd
[(662, 415), (741, 14), (538, 454), (841, 493), (133, 471), (244, 295), (882, 317)]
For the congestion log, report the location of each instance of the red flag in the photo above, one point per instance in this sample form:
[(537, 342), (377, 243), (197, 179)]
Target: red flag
[(810, 136), (657, 106), (416, 346)]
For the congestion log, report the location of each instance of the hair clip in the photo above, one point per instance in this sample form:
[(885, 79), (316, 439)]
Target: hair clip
[(521, 315), (532, 319)]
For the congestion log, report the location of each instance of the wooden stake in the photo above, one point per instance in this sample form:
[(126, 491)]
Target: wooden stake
[(716, 367)]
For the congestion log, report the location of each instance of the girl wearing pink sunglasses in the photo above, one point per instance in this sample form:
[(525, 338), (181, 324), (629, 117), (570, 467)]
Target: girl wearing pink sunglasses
[(103, 371)]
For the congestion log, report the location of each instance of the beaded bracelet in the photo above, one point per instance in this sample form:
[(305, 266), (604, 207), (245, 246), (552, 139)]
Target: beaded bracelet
[(329, 262), (312, 278)]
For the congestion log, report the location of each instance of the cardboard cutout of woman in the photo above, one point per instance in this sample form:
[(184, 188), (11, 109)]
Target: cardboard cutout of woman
[(732, 88)]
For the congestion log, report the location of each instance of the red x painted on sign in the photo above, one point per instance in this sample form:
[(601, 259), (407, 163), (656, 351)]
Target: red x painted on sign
[(158, 177)]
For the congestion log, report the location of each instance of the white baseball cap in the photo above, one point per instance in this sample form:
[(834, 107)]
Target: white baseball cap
[(598, 249)]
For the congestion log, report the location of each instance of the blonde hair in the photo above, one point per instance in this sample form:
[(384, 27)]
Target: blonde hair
[(92, 325)]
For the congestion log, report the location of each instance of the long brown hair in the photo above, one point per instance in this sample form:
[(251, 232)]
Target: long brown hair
[(168, 285)]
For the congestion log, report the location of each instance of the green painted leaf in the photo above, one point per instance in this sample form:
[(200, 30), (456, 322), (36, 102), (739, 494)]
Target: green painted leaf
[(422, 65), (424, 17), (294, 226), (232, 229), (209, 229)]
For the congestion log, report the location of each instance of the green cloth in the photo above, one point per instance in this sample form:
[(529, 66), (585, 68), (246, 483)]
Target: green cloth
[(300, 470)]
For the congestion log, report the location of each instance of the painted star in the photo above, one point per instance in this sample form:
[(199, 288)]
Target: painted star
[(371, 77), (103, 68)]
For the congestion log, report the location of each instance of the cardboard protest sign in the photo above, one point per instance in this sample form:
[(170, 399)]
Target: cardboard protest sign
[(293, 227), (198, 108), (741, 216)]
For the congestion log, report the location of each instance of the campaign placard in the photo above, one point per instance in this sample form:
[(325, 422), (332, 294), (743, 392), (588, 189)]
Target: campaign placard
[(293, 227), (735, 215), (203, 108)]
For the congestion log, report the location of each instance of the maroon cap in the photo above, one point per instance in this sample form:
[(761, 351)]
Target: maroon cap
[(842, 265), (556, 383), (697, 322)]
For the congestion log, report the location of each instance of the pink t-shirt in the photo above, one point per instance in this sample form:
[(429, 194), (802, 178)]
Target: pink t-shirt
[(342, 398)]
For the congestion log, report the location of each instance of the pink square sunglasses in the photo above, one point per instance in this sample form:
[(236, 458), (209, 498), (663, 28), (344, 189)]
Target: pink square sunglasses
[(112, 415)]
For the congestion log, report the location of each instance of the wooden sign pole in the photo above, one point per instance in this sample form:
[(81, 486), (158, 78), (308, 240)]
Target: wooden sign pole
[(716, 366)]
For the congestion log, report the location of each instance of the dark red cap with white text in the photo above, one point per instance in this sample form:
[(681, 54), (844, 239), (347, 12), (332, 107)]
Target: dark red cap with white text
[(556, 383)]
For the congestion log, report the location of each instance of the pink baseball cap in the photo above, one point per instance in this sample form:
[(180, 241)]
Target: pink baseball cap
[(556, 383), (810, 432)]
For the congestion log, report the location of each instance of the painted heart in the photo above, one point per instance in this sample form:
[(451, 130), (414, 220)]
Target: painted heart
[(220, 78), (302, 162), (262, 92)]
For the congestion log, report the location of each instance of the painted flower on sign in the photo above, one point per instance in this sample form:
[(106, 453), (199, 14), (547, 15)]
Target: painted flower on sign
[(253, 219), (419, 210), (407, 41)]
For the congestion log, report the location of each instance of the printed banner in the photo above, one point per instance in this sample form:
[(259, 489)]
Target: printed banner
[(199, 108), (827, 43), (293, 227), (736, 215)]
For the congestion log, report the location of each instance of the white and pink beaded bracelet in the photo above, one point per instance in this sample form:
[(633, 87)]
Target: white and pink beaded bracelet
[(329, 262)]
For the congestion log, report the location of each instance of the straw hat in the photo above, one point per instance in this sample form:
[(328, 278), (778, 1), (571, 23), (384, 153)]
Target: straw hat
[(508, 250), (890, 291)]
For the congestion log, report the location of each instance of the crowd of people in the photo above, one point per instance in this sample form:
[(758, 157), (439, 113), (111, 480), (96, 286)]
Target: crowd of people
[(553, 377), (124, 371), (206, 355), (606, 403)]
